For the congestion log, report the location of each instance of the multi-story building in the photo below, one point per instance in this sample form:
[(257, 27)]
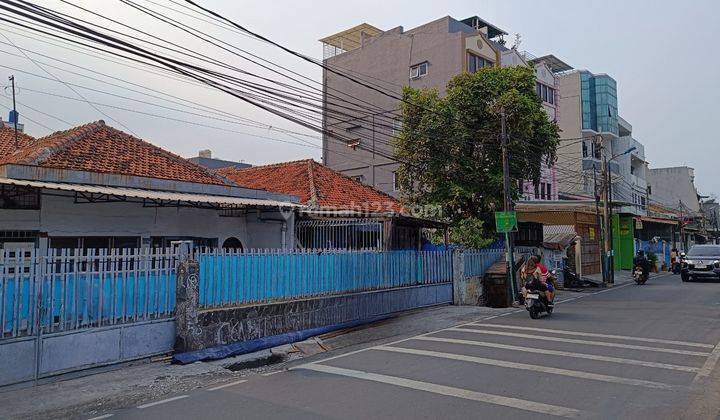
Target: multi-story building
[(594, 133), (546, 85), (424, 57), (674, 188)]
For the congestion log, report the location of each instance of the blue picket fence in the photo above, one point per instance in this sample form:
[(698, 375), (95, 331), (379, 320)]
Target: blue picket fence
[(477, 261), (229, 278), (659, 248), (73, 289)]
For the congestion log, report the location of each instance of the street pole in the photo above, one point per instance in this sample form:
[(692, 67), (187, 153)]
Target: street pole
[(597, 218), (682, 228), (606, 218), (15, 116), (611, 252), (507, 205)]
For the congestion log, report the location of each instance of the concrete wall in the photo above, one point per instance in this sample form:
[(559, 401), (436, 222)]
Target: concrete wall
[(570, 122), (60, 216), (225, 326), (670, 186)]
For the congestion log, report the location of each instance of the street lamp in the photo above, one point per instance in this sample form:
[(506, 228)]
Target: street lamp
[(611, 257), (632, 149)]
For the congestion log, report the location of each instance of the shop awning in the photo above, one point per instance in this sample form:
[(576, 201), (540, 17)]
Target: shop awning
[(650, 219), (101, 193)]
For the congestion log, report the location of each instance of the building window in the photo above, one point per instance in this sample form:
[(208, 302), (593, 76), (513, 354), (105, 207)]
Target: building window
[(545, 92), (419, 70), (397, 127), (642, 202), (14, 197), (396, 182), (649, 189), (537, 191), (475, 62), (585, 149), (548, 194)]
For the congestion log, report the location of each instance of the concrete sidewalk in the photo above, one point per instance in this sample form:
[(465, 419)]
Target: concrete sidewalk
[(120, 386)]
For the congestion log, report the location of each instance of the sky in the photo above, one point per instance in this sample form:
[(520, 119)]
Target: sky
[(662, 54)]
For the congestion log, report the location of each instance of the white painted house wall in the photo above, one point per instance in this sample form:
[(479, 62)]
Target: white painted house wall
[(60, 216)]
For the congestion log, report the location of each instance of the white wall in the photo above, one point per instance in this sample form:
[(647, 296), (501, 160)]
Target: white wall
[(60, 216)]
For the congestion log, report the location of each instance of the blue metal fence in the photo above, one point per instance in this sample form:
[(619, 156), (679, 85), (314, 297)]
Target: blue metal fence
[(231, 278), (71, 289), (477, 261), (659, 248)]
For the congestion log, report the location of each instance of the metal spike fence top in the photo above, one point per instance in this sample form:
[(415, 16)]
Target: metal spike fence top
[(236, 278), (69, 289), (55, 290)]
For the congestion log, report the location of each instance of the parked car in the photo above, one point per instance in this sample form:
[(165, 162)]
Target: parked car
[(702, 261)]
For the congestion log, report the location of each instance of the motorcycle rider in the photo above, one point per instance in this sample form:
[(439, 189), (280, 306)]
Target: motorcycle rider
[(533, 268), (642, 262)]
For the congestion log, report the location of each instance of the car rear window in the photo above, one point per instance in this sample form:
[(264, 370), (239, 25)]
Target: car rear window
[(705, 251)]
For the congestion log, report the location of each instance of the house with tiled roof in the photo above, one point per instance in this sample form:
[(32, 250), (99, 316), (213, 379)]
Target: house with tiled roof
[(317, 186), (340, 212), (11, 141), (94, 186)]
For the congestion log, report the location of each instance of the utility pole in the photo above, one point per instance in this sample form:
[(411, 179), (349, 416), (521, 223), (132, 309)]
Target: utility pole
[(682, 227), (607, 246), (597, 218), (507, 204), (611, 249), (15, 115)]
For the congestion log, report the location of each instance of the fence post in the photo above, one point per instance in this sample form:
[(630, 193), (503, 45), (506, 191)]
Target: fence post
[(188, 336), (459, 279)]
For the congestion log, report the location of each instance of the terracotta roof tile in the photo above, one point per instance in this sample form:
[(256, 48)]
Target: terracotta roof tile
[(7, 142), (96, 147), (316, 185)]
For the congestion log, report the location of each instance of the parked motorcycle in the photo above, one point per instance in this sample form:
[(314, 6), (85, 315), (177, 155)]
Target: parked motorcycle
[(536, 301), (639, 276)]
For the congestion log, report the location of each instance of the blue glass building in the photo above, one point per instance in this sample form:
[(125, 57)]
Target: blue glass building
[(599, 103)]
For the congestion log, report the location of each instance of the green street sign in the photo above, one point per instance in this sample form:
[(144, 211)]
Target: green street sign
[(505, 221)]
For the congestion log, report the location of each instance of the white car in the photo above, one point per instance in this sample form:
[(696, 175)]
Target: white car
[(702, 261)]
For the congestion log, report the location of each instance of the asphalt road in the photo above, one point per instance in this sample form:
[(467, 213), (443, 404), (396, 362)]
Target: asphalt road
[(627, 352)]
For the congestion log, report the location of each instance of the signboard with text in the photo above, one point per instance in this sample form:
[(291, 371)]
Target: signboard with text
[(505, 221)]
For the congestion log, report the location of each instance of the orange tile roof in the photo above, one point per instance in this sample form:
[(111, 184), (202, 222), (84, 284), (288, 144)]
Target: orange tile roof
[(97, 147), (316, 185), (7, 141)]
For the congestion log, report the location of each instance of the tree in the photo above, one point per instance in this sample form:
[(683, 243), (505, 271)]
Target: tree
[(450, 151)]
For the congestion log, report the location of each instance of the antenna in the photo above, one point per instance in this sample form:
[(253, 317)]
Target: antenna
[(15, 115)]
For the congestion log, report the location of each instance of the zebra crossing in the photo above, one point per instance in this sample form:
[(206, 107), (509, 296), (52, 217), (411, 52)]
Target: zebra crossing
[(603, 363)]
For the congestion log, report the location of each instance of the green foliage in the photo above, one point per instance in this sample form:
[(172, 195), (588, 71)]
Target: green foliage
[(450, 145), (652, 257)]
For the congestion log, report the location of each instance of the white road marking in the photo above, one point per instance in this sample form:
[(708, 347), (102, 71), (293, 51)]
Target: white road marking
[(575, 341), (215, 388), (271, 373), (564, 354), (167, 400), (450, 391), (532, 367), (587, 334), (104, 416), (709, 364), (460, 325)]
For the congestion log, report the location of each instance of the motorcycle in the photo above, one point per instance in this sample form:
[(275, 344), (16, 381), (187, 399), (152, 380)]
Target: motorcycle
[(536, 301), (639, 276)]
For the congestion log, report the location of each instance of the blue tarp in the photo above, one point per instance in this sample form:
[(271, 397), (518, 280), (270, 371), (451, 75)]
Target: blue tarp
[(243, 347)]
